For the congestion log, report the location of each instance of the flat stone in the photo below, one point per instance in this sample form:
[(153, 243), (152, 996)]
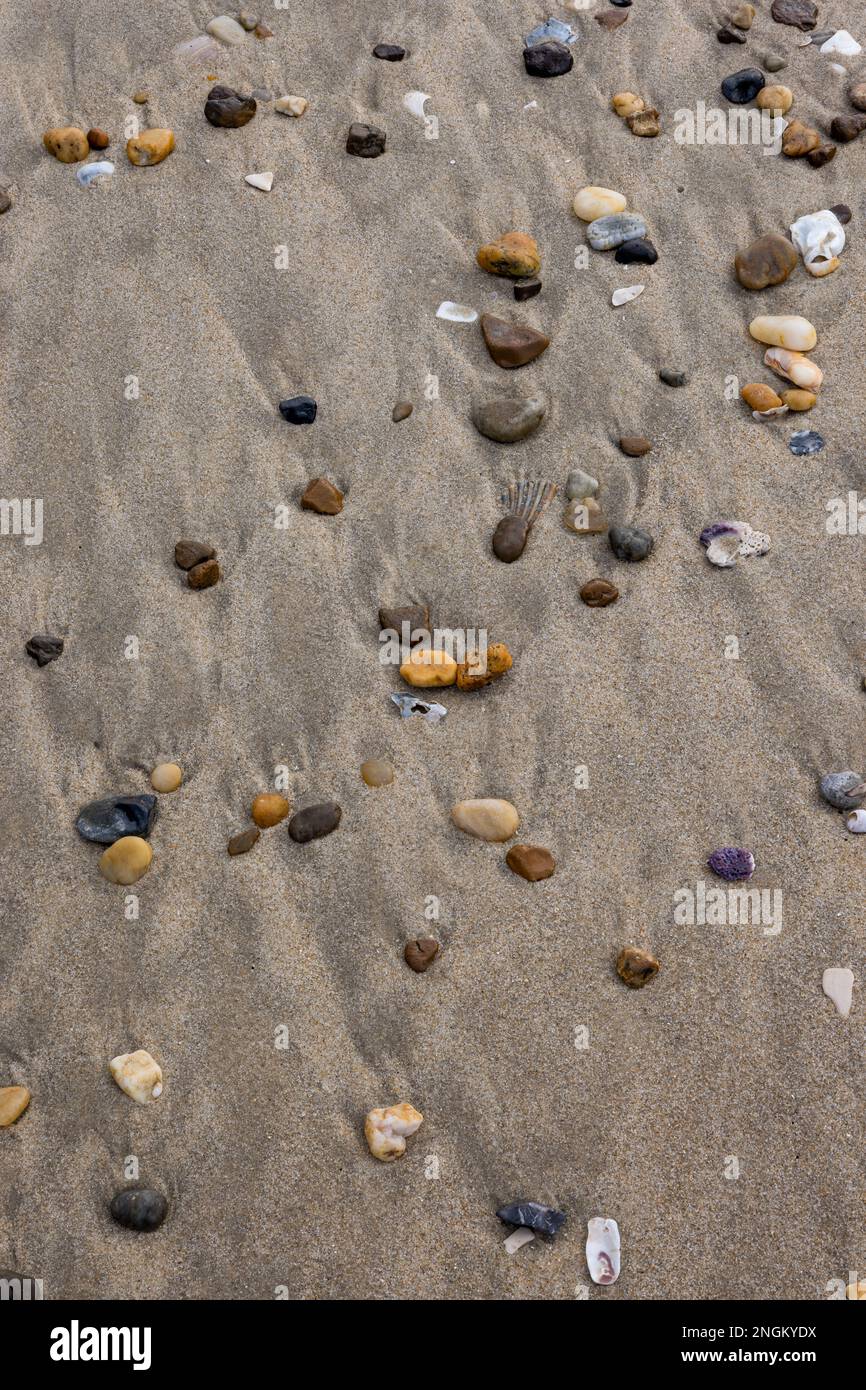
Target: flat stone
[(514, 254), (550, 59), (227, 108), (636, 967), (189, 553), (67, 143), (429, 667), (743, 86), (842, 212), (732, 863), (126, 861), (417, 615), (767, 261), (798, 400), (44, 648), (137, 1075), (646, 123), (593, 202), (389, 52), (838, 985), (598, 593), (323, 497), (365, 141), (526, 289), (512, 344), (139, 1208), (635, 445), (166, 777), (847, 128), (531, 862), (420, 954), (141, 97), (580, 484), (268, 809), (314, 822), (402, 410), (841, 789), (671, 377), (630, 542), (243, 842), (226, 29), (803, 14), (376, 772), (508, 421), (112, 817), (585, 516), (204, 575), (637, 251), (487, 818), (606, 233), (14, 1100), (299, 410)]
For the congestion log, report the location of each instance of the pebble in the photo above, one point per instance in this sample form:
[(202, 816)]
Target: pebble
[(478, 671), (365, 141), (727, 35), (732, 863), (845, 790), (243, 842), (314, 822), (838, 985), (415, 614), (635, 445), (44, 648), (784, 331), (67, 143), (743, 86), (247, 21), (585, 516), (141, 97), (636, 967), (150, 147), (580, 484), (402, 410), (323, 497), (190, 553), (799, 400), (98, 140), (806, 442), (14, 1100), (592, 202), (598, 593), (263, 32), (263, 181), (526, 289), (842, 43), (626, 295), (531, 862), (671, 377), (126, 861), (226, 29), (428, 668), (630, 542), (512, 344), (857, 95), (203, 576), (389, 52), (138, 1075), (606, 233), (420, 954), (291, 106), (514, 254), (774, 62), (794, 366), (855, 822), (532, 1216), (166, 777), (847, 128), (610, 19), (761, 398), (645, 123), (743, 16), (627, 104), (5, 200), (803, 14), (799, 139), (510, 537), (113, 817), (487, 818), (139, 1208), (767, 261), (299, 410), (776, 98), (226, 108), (821, 155), (550, 59), (636, 251), (375, 772), (386, 1130), (268, 809), (508, 421)]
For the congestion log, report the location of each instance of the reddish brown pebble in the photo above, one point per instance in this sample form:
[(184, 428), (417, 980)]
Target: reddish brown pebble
[(531, 862), (262, 31), (636, 967), (189, 553), (203, 576), (420, 955), (269, 809), (611, 19), (243, 843), (98, 140), (402, 410), (598, 593), (847, 128), (635, 445), (322, 497), (824, 153), (512, 344)]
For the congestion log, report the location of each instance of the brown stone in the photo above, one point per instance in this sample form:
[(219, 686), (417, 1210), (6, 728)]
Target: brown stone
[(417, 615), (499, 660), (585, 516), (420, 954), (322, 497), (768, 261), (598, 593), (515, 254), (743, 16), (842, 212), (67, 143), (189, 553), (530, 862), (760, 397), (857, 95), (821, 156), (636, 967), (141, 97), (645, 123), (512, 344), (365, 141), (847, 128), (402, 410), (262, 31), (803, 14), (14, 1100), (268, 809), (98, 140), (799, 139), (203, 576), (611, 19), (243, 843), (635, 445), (376, 772)]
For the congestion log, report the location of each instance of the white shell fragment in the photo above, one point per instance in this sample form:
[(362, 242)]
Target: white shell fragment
[(522, 1236), (99, 169), (625, 295), (768, 414), (138, 1075), (838, 985), (796, 367), (456, 313), (387, 1130), (263, 181), (820, 239), (414, 102), (551, 29), (226, 29), (842, 42), (855, 821), (201, 49), (603, 1250), (727, 541)]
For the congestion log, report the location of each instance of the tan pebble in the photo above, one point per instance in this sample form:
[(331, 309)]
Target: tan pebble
[(645, 123), (776, 98), (592, 202), (291, 106), (138, 1075), (427, 667), (377, 773), (98, 139), (126, 860), (760, 397), (743, 16), (386, 1130), (269, 809), (487, 818), (167, 777), (67, 143), (478, 670), (515, 254), (141, 96), (799, 139), (627, 104), (799, 400), (636, 967), (14, 1100), (203, 575), (150, 147)]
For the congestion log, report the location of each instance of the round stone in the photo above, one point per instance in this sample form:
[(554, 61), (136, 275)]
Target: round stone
[(797, 399), (509, 539), (139, 1208), (774, 62), (402, 410), (299, 410), (126, 860), (636, 967), (420, 954), (487, 818), (268, 809), (776, 98), (314, 822), (627, 104), (227, 108), (377, 773), (166, 777), (634, 445), (630, 542), (508, 421), (531, 862), (671, 377), (732, 863), (548, 59), (857, 95), (204, 575), (67, 143), (760, 397), (97, 139), (743, 86), (14, 1100), (580, 484), (598, 593), (845, 790), (767, 261), (190, 553), (141, 97), (515, 254)]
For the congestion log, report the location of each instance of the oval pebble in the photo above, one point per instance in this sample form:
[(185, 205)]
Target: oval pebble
[(166, 777), (112, 817), (487, 818), (743, 86), (732, 863), (314, 822), (844, 790), (269, 808), (531, 862), (376, 772), (126, 861), (139, 1208), (606, 233), (598, 593)]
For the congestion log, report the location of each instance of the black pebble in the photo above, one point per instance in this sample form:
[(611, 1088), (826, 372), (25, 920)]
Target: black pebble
[(139, 1208), (44, 648), (226, 107), (636, 250), (548, 59), (527, 289), (672, 378), (509, 538), (534, 1215), (842, 212), (629, 542), (365, 141), (743, 86), (299, 410), (726, 35), (314, 822), (107, 820), (390, 52)]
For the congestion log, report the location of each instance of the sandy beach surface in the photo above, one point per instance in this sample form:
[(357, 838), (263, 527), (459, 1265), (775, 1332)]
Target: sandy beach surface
[(168, 275)]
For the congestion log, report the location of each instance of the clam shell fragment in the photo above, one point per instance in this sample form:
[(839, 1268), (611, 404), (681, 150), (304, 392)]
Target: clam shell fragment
[(820, 239), (456, 313), (624, 296), (838, 985), (726, 541), (603, 1250)]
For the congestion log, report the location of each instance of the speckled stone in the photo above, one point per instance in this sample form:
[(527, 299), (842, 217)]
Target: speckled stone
[(636, 967), (630, 542), (840, 789)]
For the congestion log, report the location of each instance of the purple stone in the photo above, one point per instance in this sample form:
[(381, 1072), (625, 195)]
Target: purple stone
[(732, 863)]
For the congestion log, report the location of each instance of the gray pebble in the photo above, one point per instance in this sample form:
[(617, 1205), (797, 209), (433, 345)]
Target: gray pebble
[(606, 233), (580, 484), (837, 788), (774, 62), (629, 542), (671, 377)]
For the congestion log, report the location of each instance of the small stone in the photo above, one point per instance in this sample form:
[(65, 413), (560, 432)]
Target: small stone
[(847, 128), (630, 542), (487, 818), (844, 790), (606, 233), (509, 538), (268, 809), (138, 1075), (743, 86), (402, 410), (625, 296), (427, 667), (580, 484), (416, 615), (113, 817), (671, 377), (760, 397), (636, 251), (743, 16), (508, 421), (727, 35), (534, 1216), (803, 14), (598, 593), (243, 842), (226, 29), (262, 31), (635, 445), (375, 772), (732, 863), (166, 777), (386, 1130), (838, 985), (481, 669), (141, 97), (389, 52), (857, 95), (591, 203), (44, 648), (14, 1100), (821, 155), (247, 21), (139, 1208), (515, 254), (610, 19), (299, 410), (842, 213), (227, 109), (365, 141), (189, 553), (799, 139), (550, 59), (799, 400), (149, 147), (314, 822), (785, 331), (776, 98), (126, 861), (67, 143), (531, 862), (585, 516), (804, 442), (98, 140), (627, 104), (420, 954), (512, 344), (645, 123), (636, 967), (203, 576), (526, 289), (5, 200), (774, 62), (323, 497), (768, 261), (291, 106)]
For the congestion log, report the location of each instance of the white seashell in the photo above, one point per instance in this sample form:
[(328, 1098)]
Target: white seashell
[(820, 239), (784, 330), (387, 1130), (754, 543), (414, 102), (793, 366), (201, 49), (734, 539), (723, 551), (624, 296), (603, 1250), (226, 29), (138, 1075), (522, 1236), (456, 313), (263, 181), (838, 985), (842, 42), (837, 67), (766, 414), (100, 169), (855, 821)]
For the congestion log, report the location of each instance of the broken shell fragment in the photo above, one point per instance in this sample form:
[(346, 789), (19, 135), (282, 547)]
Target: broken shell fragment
[(456, 313), (820, 239), (796, 367), (525, 502), (732, 863), (409, 705), (533, 1216), (138, 1075), (414, 102), (726, 541), (99, 169), (838, 985), (603, 1250), (855, 821), (784, 331), (263, 181), (387, 1130), (636, 967), (624, 296)]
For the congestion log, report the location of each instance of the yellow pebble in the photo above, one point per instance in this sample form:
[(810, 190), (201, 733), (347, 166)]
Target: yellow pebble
[(427, 667), (14, 1100), (167, 777), (150, 147), (126, 860)]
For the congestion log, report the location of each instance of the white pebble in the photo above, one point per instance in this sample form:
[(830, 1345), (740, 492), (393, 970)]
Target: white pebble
[(838, 985), (387, 1130), (842, 42), (263, 181), (138, 1075), (291, 106), (456, 313)]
